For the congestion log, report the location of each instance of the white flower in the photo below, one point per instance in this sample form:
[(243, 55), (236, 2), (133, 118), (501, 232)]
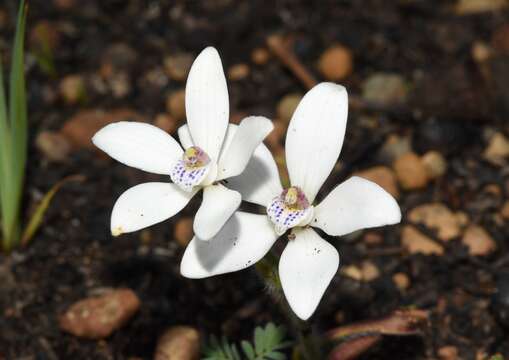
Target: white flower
[(211, 155), (308, 262)]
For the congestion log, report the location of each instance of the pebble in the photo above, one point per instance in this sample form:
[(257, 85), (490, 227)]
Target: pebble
[(369, 271), (238, 72), (287, 106), (178, 343), (98, 317), (478, 241), (505, 210), (166, 122), (64, 4), (383, 176), (119, 56), (72, 89), (83, 125), (372, 238), (183, 232), (177, 66), (448, 352), (401, 280), (176, 105), (53, 146), (497, 149), (411, 172), (435, 164), (336, 63), (437, 216), (469, 7), (385, 89), (415, 242), (260, 56), (394, 147), (352, 272)]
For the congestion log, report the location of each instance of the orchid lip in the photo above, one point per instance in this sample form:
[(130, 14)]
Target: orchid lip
[(290, 209), (192, 169)]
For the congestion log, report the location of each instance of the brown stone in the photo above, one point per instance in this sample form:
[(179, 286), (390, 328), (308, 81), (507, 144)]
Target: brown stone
[(177, 66), (53, 145), (411, 172), (468, 7), (415, 242), (372, 238), (336, 63), (505, 210), (260, 56), (438, 217), (72, 89), (394, 147), (287, 106), (383, 176), (497, 149), (178, 343), (385, 89), (184, 231), (448, 352), (478, 241), (435, 164), (401, 280), (176, 105), (369, 271), (166, 122), (352, 272), (83, 125), (98, 317), (238, 72)]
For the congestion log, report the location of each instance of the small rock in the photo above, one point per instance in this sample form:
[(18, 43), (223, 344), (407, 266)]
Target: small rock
[(469, 7), (394, 147), (401, 280), (497, 149), (82, 126), (383, 176), (287, 106), (64, 4), (178, 343), (120, 84), (369, 271), (438, 217), (336, 63), (72, 89), (372, 238), (176, 105), (184, 231), (435, 164), (177, 66), (118, 57), (385, 89), (166, 123), (505, 210), (448, 352), (238, 72), (352, 272), (411, 172), (415, 242), (98, 317), (260, 56), (478, 241), (53, 145)]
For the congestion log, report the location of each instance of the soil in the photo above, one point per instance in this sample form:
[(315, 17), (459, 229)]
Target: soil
[(451, 108)]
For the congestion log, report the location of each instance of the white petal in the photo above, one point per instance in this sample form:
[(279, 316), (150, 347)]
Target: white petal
[(244, 239), (207, 104), (248, 135), (307, 266), (219, 203), (315, 136), (139, 145), (259, 183), (356, 204), (147, 204), (185, 136)]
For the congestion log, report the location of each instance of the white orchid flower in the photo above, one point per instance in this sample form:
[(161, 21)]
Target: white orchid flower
[(205, 160), (308, 262)]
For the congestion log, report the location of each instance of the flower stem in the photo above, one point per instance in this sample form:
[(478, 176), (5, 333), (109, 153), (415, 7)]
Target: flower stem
[(267, 270)]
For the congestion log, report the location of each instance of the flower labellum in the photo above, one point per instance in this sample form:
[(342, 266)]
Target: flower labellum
[(290, 209), (192, 169)]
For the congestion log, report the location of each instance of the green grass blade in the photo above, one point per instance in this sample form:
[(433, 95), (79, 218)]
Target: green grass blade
[(37, 217)]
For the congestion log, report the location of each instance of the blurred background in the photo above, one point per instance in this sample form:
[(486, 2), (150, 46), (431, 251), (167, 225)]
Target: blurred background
[(429, 103)]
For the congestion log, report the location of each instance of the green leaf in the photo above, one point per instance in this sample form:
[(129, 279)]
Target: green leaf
[(276, 356), (248, 349), (259, 339), (38, 215)]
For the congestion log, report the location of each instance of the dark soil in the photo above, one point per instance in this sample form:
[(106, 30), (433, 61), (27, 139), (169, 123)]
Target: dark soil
[(451, 109)]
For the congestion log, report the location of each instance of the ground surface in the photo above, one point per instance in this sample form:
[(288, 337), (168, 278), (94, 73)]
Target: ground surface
[(453, 106)]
